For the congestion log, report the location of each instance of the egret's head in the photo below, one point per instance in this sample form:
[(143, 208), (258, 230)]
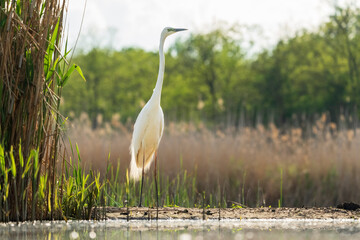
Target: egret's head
[(169, 30)]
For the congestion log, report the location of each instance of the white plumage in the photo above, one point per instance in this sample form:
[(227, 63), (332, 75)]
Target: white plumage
[(149, 125), (148, 130)]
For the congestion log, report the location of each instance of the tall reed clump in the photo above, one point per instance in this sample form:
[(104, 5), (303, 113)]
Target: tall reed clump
[(32, 74)]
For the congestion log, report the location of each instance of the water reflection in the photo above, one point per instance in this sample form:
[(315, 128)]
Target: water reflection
[(184, 229)]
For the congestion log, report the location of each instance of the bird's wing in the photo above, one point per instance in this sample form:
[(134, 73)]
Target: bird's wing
[(138, 134), (140, 126), (148, 130), (144, 156)]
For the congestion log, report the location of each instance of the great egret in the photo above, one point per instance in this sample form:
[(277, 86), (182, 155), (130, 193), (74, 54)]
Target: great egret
[(149, 125)]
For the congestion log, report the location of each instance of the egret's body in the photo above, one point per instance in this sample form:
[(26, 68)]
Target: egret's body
[(148, 130), (149, 125)]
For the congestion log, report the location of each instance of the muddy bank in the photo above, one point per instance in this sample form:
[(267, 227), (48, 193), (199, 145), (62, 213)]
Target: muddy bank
[(231, 213)]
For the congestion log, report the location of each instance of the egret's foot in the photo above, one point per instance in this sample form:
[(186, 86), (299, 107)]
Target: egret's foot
[(140, 205)]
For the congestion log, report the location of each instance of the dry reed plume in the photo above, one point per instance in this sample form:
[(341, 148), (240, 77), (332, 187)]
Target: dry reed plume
[(319, 166)]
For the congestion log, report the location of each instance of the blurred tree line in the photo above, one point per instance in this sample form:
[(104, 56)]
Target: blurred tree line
[(209, 77)]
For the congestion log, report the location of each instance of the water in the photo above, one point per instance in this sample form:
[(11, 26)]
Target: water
[(185, 229)]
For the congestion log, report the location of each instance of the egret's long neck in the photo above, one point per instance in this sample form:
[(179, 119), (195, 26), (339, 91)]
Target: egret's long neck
[(157, 90)]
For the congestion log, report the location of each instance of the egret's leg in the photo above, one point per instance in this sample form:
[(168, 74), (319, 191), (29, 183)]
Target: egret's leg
[(142, 179), (156, 187)]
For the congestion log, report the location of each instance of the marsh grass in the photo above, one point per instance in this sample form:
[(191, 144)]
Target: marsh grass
[(262, 166), (198, 168)]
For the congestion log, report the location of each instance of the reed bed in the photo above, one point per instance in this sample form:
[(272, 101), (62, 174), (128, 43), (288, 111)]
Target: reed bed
[(33, 71), (262, 166), (197, 168)]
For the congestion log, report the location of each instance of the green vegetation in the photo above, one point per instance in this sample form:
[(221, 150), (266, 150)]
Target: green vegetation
[(72, 192), (32, 74), (80, 195), (210, 78)]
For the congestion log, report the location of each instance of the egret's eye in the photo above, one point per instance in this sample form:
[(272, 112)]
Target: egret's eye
[(170, 30)]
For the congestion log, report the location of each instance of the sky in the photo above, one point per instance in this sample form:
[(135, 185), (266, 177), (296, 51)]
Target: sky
[(138, 23)]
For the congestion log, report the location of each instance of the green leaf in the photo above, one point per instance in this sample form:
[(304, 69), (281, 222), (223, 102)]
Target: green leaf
[(65, 78), (78, 153), (49, 197), (36, 163), (28, 164), (69, 72), (49, 53), (7, 186), (13, 164), (2, 160), (21, 157), (78, 69), (50, 73)]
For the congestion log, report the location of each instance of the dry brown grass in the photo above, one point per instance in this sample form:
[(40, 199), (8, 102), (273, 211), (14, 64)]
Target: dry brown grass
[(321, 169)]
